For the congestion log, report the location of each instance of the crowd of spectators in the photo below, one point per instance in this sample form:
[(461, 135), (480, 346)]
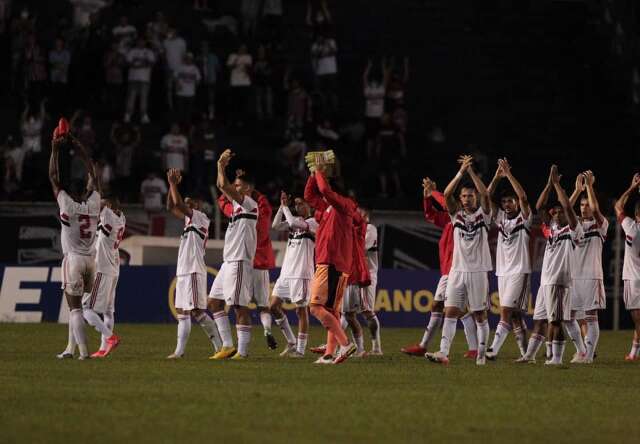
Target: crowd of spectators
[(147, 92)]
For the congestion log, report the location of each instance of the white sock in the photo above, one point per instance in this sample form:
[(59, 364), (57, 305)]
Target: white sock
[(109, 320), (448, 333), (535, 342), (635, 348), (77, 323), (470, 331), (244, 337), (549, 351), (221, 319), (93, 319), (374, 327), (302, 343), (483, 336), (71, 340), (593, 334), (557, 350), (435, 322), (284, 325), (184, 330), (521, 338), (573, 331), (209, 327), (359, 340), (502, 331), (343, 322), (266, 319)]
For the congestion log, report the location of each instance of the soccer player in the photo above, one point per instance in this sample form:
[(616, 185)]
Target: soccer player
[(191, 286), (588, 294), (233, 284), (440, 218), (562, 234), (467, 283), (334, 254), (368, 294), (264, 259), (79, 212), (631, 268), (359, 279), (102, 298), (513, 265), (297, 270)]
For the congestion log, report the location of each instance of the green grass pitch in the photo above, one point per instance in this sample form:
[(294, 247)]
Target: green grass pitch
[(138, 396)]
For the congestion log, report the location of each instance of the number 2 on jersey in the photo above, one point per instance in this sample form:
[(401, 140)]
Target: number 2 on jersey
[(85, 225)]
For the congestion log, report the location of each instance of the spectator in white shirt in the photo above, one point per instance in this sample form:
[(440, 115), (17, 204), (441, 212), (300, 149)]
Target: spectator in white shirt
[(140, 60), (125, 140), (82, 9), (174, 50), (323, 59), (175, 149), (374, 91), (59, 60), (250, 10), (240, 64), (125, 34), (152, 192), (187, 77), (210, 66)]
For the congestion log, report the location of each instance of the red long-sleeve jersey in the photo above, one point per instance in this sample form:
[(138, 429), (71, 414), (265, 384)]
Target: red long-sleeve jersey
[(334, 238), (264, 258), (441, 219)]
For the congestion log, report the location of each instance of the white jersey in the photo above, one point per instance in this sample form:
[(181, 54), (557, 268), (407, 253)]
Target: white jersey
[(193, 243), (299, 260), (79, 223), (371, 250), (110, 234), (558, 254), (631, 268), (471, 241), (587, 256), (240, 240), (512, 253)]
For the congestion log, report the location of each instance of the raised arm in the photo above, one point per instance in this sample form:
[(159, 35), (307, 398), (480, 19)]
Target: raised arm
[(485, 201), (223, 182), (340, 203), (54, 171), (622, 201), (365, 74), (493, 185), (174, 200), (92, 180), (517, 187), (579, 188), (437, 217), (590, 180), (562, 197), (449, 191)]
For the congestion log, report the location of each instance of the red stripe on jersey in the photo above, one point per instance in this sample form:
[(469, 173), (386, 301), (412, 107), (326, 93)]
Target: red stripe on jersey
[(64, 216)]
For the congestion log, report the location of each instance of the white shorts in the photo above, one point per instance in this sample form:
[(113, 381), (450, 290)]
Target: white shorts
[(102, 298), (557, 302), (632, 294), (352, 299), (587, 295), (294, 291), (233, 283), (467, 288), (441, 290), (191, 291), (260, 287), (540, 311), (77, 274), (368, 295), (513, 291)]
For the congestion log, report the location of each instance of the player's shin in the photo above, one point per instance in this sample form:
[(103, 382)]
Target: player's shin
[(93, 319), (573, 331), (210, 329), (77, 321), (470, 331), (448, 333), (593, 335), (435, 322), (221, 319), (184, 330)]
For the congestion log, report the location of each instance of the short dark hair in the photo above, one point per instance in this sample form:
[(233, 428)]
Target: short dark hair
[(467, 185), (508, 194), (247, 178), (636, 207), (76, 188)]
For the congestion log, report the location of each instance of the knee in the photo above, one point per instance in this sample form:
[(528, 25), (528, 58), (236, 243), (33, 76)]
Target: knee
[(316, 310)]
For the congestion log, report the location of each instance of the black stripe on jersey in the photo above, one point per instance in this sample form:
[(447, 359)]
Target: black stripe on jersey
[(194, 229), (515, 230), (244, 216), (104, 231), (628, 243), (472, 228), (373, 249), (593, 234), (305, 235), (65, 223)]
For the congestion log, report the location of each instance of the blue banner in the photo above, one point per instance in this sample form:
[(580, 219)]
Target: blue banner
[(145, 294)]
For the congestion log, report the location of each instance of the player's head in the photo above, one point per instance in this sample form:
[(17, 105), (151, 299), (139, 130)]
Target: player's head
[(364, 212), (557, 214), (59, 43), (175, 128), (468, 197), (585, 210), (124, 20), (245, 184), (111, 202), (141, 42), (302, 207), (193, 202), (509, 203), (77, 190)]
